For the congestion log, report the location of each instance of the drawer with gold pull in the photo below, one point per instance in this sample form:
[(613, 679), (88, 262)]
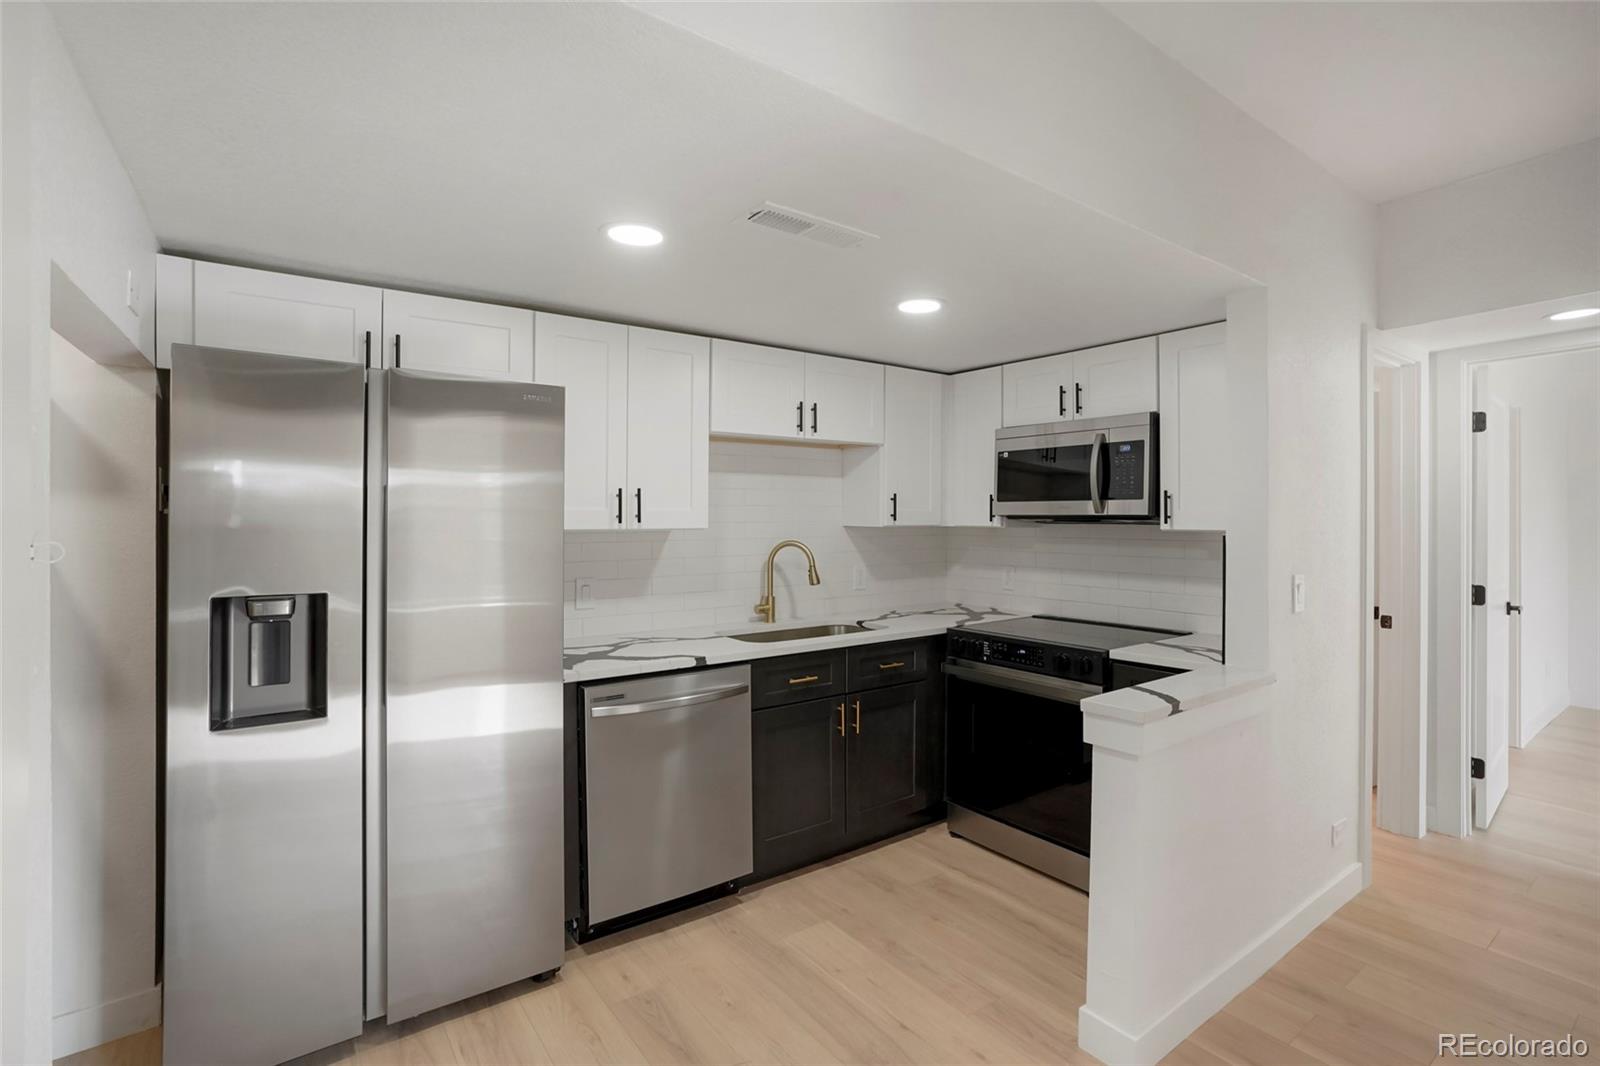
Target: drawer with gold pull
[(889, 663), (792, 678)]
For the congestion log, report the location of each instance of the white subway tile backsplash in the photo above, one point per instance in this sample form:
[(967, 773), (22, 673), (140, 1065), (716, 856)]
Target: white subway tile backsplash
[(761, 493)]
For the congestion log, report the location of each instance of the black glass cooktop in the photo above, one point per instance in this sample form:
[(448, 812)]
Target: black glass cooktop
[(1071, 632)]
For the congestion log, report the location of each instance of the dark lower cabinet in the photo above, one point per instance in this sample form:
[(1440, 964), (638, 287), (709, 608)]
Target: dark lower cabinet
[(798, 768), (834, 774)]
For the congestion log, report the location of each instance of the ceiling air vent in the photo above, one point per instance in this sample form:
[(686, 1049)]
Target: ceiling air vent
[(811, 227)]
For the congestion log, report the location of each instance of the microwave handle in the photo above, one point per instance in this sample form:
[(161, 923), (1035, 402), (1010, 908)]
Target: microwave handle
[(1096, 451)]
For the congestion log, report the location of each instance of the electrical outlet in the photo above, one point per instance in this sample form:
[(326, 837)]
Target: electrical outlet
[(1337, 836), (133, 293), (583, 595), (858, 578), (1008, 579), (1297, 589)]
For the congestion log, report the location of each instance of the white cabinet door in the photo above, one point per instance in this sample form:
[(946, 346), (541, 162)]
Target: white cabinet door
[(971, 415), (901, 482), (1193, 428), (589, 360), (458, 337), (1037, 390), (281, 314), (844, 400), (1117, 379), (757, 391), (669, 430)]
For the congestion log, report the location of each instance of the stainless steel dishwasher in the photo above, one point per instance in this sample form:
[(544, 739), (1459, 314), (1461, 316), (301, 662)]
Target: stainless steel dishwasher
[(667, 803)]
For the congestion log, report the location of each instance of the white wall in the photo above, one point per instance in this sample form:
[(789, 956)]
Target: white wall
[(1513, 236), (69, 219), (1559, 397), (1127, 574), (102, 473)]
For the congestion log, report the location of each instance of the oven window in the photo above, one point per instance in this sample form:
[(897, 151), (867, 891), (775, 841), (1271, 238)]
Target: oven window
[(1020, 760), (1028, 475)]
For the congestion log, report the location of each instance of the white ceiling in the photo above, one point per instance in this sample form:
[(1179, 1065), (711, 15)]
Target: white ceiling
[(1501, 324), (478, 149), (1396, 97)]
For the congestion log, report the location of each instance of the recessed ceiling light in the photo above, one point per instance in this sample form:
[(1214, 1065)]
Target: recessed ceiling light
[(921, 305), (634, 234), (1568, 316)]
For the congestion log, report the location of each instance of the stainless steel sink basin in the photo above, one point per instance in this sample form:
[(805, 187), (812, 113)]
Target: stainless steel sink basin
[(772, 636)]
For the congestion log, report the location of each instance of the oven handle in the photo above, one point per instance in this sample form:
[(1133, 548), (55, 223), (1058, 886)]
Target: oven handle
[(1051, 688), (1095, 451)]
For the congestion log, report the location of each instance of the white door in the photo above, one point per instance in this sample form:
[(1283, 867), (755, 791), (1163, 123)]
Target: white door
[(589, 359), (1193, 428), (1037, 390), (913, 451), (757, 391), (458, 337), (283, 314), (971, 415), (1117, 379), (844, 400), (1514, 585), (1491, 556), (669, 430)]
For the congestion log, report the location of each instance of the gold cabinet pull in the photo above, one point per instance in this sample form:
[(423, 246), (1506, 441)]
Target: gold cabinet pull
[(803, 680), (841, 718), (891, 666), (858, 718)]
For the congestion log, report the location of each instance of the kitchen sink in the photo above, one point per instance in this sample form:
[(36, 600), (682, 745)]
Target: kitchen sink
[(772, 636)]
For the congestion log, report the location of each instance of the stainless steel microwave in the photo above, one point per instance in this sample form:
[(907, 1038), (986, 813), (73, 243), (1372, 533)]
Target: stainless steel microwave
[(1089, 468)]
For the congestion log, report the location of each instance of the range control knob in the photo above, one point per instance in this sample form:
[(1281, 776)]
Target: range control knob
[(1085, 665)]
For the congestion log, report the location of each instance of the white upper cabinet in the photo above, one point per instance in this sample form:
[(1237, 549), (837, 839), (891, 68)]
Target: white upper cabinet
[(1117, 379), (844, 400), (1193, 428), (284, 314), (780, 394), (757, 391), (971, 415), (901, 482), (1114, 379), (669, 430), (458, 337), (589, 360), (1037, 390)]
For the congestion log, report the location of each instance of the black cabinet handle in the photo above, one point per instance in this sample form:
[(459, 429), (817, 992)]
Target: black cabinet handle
[(894, 507), (619, 507), (813, 418), (1061, 400), (368, 356), (991, 507), (638, 507), (1166, 507), (800, 417), (1077, 399), (397, 351)]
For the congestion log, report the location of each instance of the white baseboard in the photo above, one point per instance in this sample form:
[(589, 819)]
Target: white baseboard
[(1102, 1039), (81, 1030)]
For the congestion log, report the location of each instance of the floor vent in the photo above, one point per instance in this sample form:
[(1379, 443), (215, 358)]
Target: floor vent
[(811, 227)]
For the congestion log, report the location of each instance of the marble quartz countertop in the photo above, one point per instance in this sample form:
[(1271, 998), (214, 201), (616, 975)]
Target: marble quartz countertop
[(596, 658), (1192, 651)]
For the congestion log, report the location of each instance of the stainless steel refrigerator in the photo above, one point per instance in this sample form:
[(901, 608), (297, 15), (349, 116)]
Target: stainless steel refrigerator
[(362, 728)]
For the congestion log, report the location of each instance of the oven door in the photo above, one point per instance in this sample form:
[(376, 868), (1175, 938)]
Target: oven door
[(1015, 750), (1091, 468)]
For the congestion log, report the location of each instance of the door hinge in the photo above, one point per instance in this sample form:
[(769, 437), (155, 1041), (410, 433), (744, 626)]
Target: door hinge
[(1480, 595), (163, 492), (1480, 421), (1477, 769)]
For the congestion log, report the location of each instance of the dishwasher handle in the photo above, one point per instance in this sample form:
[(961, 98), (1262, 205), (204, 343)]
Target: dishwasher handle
[(688, 699)]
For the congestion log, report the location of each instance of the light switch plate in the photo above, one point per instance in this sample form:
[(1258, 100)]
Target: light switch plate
[(1008, 579), (858, 578), (1297, 589), (1337, 836), (132, 298), (583, 595)]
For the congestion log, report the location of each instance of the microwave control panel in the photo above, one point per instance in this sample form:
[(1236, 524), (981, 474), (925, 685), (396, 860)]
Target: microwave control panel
[(1127, 470)]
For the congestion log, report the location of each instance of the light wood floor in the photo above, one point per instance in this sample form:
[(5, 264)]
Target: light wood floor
[(928, 949)]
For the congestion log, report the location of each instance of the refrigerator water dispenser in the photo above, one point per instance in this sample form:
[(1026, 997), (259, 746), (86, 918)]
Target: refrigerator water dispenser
[(268, 659)]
